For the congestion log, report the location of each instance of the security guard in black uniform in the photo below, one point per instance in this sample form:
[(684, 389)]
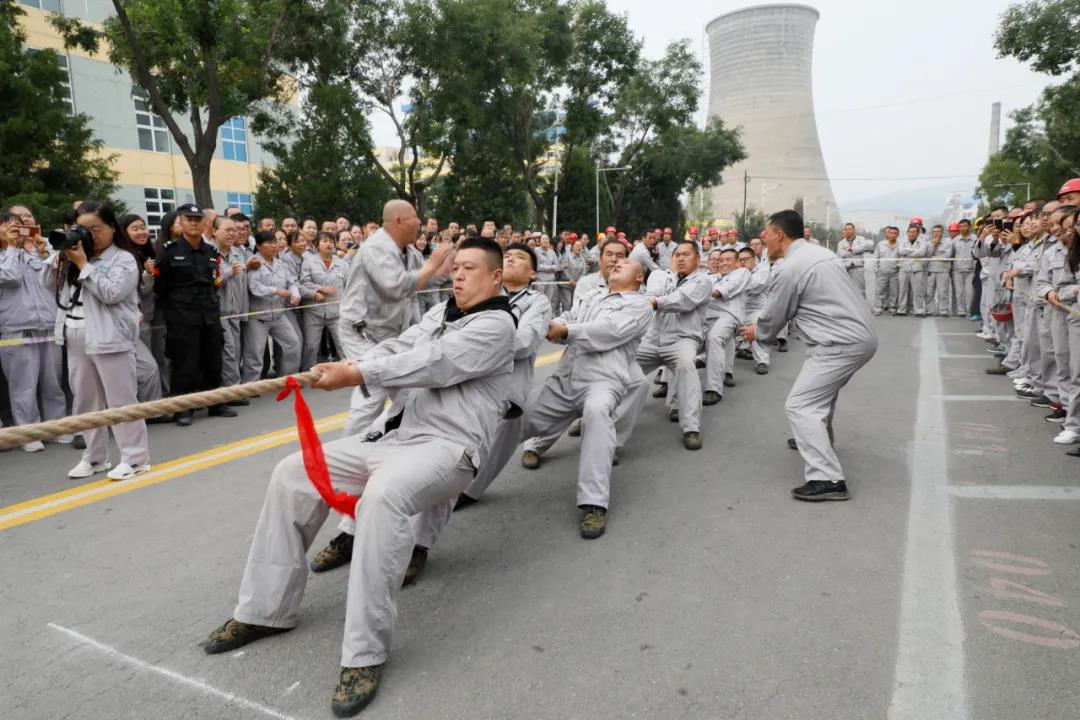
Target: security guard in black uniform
[(186, 289)]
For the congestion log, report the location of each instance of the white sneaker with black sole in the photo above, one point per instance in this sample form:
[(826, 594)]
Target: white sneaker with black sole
[(34, 447), (123, 471), (85, 469), (1067, 437)]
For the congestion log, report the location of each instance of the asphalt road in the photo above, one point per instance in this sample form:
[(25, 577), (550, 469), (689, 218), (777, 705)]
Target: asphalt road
[(947, 588)]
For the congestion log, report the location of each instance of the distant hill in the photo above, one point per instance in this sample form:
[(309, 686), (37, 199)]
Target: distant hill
[(926, 201)]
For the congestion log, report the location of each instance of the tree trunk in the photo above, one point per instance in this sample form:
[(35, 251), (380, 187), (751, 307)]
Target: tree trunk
[(200, 179)]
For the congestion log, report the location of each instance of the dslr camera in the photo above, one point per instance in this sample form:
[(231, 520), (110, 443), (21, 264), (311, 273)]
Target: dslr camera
[(67, 238)]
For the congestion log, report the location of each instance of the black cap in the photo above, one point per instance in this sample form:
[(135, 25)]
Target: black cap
[(189, 210)]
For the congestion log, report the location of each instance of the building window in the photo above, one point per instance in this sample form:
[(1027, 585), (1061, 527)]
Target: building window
[(47, 5), (153, 134), (69, 99), (234, 139), (159, 201), (242, 201)]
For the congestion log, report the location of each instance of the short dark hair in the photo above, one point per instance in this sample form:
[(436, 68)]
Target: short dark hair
[(963, 221), (493, 252), (525, 249), (691, 243), (292, 236), (789, 222), (240, 218), (265, 236), (748, 251), (1002, 208), (851, 225), (7, 216), (727, 250), (938, 227), (604, 244), (332, 237)]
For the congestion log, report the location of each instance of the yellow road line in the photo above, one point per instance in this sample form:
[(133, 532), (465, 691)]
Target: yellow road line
[(46, 505)]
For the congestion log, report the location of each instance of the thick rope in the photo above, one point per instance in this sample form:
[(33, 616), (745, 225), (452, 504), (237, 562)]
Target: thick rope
[(22, 434)]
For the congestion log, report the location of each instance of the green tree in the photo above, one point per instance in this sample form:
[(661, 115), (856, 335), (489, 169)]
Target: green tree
[(200, 62), (48, 156), (322, 166), (750, 223)]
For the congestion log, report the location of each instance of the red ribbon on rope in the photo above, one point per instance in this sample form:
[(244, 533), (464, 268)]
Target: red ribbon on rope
[(311, 449)]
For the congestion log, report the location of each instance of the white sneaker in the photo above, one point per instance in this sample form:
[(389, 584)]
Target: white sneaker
[(1067, 437), (85, 469), (64, 439), (123, 471), (32, 447)]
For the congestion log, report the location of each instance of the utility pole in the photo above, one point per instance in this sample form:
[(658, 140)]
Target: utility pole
[(745, 185)]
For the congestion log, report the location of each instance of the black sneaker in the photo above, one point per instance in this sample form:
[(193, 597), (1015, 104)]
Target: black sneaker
[(729, 380), (334, 555), (1028, 394), (575, 429), (1057, 416), (1041, 402), (593, 521), (699, 363), (356, 688), (242, 402), (530, 460), (615, 457), (711, 397), (660, 391), (464, 501), (781, 345), (184, 418), (673, 415), (79, 443), (161, 420), (762, 369), (819, 490), (999, 370), (743, 354), (416, 565), (792, 444), (222, 411), (1075, 452), (234, 634)]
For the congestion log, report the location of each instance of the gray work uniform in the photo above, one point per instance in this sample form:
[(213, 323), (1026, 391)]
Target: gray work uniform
[(756, 295), (854, 253), (1024, 346), (294, 265), (547, 265), (458, 374), (324, 316), (28, 312), (677, 331), (723, 316), (810, 287), (595, 376), (1067, 285), (574, 267), (263, 284), (664, 252), (1054, 328), (149, 377), (991, 253), (643, 255), (912, 279), (888, 277), (938, 269), (234, 299), (376, 306), (533, 313), (98, 321), (963, 273)]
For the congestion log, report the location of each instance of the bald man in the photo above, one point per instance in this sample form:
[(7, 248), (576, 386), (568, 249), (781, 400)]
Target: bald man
[(377, 301)]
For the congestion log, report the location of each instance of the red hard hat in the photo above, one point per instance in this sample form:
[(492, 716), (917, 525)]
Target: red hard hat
[(572, 236), (609, 229), (916, 220), (954, 227), (1002, 312), (656, 230), (694, 229), (667, 231), (1070, 186), (713, 231), (762, 235), (620, 235)]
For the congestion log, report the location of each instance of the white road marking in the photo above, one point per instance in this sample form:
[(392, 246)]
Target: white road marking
[(978, 398), (929, 682), (228, 697), (973, 356), (1015, 492), (289, 689)]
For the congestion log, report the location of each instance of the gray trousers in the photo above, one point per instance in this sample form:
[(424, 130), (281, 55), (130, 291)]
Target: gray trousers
[(888, 289), (278, 327), (362, 410), (395, 480), (157, 347), (147, 374), (105, 381), (939, 293), (1072, 419), (1047, 361), (566, 298), (315, 321), (719, 344), (963, 290), (1059, 330), (912, 291), (554, 295), (858, 276), (557, 403), (230, 351), (986, 301), (811, 404), (33, 377), (637, 393), (679, 358)]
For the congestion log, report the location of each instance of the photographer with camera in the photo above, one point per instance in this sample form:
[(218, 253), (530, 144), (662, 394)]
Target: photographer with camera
[(95, 276), (27, 313)]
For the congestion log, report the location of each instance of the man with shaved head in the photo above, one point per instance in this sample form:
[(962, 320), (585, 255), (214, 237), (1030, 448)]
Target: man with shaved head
[(378, 296)]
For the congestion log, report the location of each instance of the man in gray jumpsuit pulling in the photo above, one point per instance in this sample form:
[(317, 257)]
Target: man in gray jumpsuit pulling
[(812, 288), (458, 369)]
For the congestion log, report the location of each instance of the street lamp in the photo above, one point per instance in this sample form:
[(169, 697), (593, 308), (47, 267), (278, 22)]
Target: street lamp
[(598, 171)]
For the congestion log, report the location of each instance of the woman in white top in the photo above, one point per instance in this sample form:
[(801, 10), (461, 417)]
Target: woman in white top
[(96, 281)]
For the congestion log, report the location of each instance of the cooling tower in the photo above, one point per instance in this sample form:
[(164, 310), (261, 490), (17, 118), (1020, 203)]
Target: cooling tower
[(760, 81)]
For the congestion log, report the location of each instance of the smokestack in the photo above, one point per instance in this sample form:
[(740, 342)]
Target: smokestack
[(995, 128)]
